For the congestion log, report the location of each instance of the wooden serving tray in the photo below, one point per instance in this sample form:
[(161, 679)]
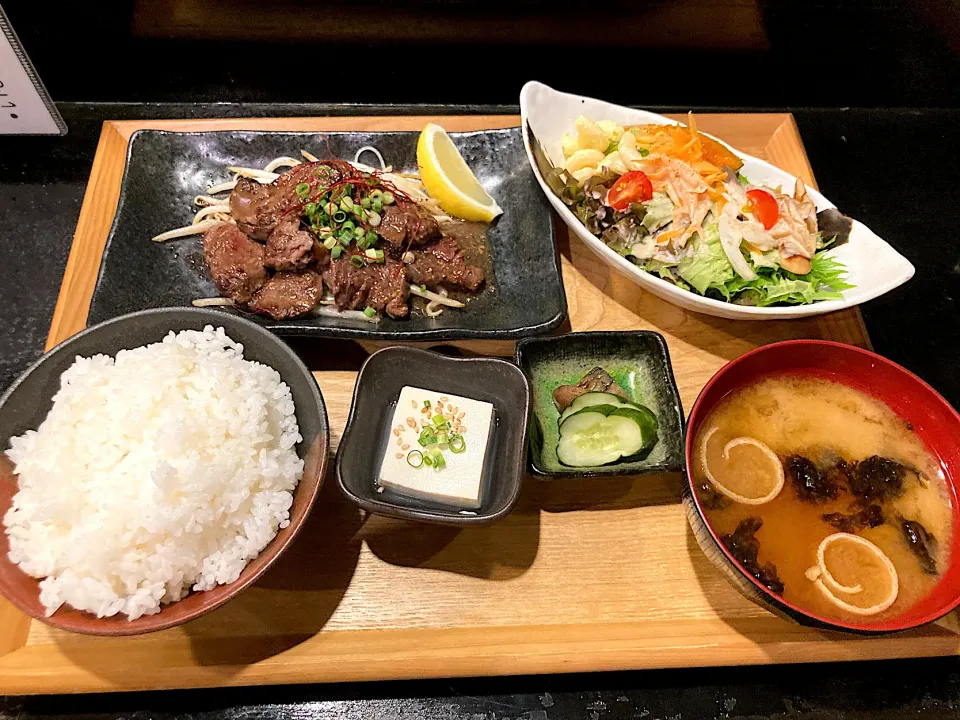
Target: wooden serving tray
[(601, 574)]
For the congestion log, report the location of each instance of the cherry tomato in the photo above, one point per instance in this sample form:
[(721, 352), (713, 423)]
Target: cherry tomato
[(632, 187), (764, 207)]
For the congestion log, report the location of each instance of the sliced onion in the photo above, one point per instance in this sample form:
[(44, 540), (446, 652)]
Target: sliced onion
[(726, 454), (370, 149), (310, 157), (827, 584), (730, 240)]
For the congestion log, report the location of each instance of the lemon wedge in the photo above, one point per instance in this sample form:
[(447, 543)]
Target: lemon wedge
[(448, 179)]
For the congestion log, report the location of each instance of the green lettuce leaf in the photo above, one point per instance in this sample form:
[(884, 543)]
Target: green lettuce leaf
[(708, 268)]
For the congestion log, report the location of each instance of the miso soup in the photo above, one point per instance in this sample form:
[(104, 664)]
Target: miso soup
[(849, 466)]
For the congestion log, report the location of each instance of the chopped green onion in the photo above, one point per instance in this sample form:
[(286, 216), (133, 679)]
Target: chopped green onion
[(439, 420), (423, 288), (428, 460), (374, 254), (376, 195), (362, 243), (365, 203), (457, 444), (359, 233), (346, 204), (388, 198), (426, 403), (330, 242), (377, 205), (415, 458), (438, 461), (371, 238), (339, 216), (348, 225), (303, 191), (330, 208), (374, 219), (345, 238), (427, 437), (369, 311), (442, 438), (310, 208), (357, 261), (336, 252)]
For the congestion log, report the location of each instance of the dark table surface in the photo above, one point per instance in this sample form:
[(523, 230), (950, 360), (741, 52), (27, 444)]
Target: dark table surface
[(893, 169)]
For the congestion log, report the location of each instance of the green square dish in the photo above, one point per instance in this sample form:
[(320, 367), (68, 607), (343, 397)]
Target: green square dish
[(640, 363)]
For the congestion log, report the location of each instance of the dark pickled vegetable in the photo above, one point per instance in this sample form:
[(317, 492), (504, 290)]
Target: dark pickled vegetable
[(921, 543), (877, 479), (810, 483), (744, 546), (870, 516)]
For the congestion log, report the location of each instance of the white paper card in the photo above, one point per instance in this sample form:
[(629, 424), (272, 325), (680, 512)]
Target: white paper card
[(25, 106)]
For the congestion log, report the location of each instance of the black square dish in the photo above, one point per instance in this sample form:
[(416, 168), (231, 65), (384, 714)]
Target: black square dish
[(368, 433), (640, 363), (166, 170)]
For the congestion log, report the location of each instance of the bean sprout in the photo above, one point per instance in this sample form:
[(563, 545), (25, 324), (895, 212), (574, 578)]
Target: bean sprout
[(213, 302), (198, 229), (281, 162), (253, 173), (222, 210), (327, 311), (435, 297)]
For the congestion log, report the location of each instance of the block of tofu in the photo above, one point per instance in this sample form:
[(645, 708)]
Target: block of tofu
[(459, 482)]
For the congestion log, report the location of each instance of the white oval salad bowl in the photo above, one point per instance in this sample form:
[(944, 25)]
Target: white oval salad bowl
[(873, 266)]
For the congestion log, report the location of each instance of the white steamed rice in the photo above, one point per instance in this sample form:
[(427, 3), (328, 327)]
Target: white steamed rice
[(164, 470)]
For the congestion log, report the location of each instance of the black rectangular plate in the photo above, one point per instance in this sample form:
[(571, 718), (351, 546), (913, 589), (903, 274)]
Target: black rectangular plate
[(166, 170)]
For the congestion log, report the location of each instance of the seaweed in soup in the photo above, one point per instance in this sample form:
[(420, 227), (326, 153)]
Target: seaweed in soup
[(710, 498), (921, 543), (870, 516), (744, 546), (877, 479), (811, 484)]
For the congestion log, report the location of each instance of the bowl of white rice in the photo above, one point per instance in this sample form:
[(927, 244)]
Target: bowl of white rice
[(152, 467)]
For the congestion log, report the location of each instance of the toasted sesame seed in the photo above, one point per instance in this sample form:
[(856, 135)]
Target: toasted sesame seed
[(444, 399), (396, 432), (413, 403), (405, 446), (411, 422), (399, 456), (399, 441), (460, 416)]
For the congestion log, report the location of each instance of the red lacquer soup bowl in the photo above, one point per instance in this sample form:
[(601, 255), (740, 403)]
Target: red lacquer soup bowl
[(933, 418)]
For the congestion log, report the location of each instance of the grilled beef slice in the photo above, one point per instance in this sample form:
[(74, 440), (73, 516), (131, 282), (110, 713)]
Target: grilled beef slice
[(381, 286), (288, 294), (235, 261), (289, 247), (404, 225), (441, 264)]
